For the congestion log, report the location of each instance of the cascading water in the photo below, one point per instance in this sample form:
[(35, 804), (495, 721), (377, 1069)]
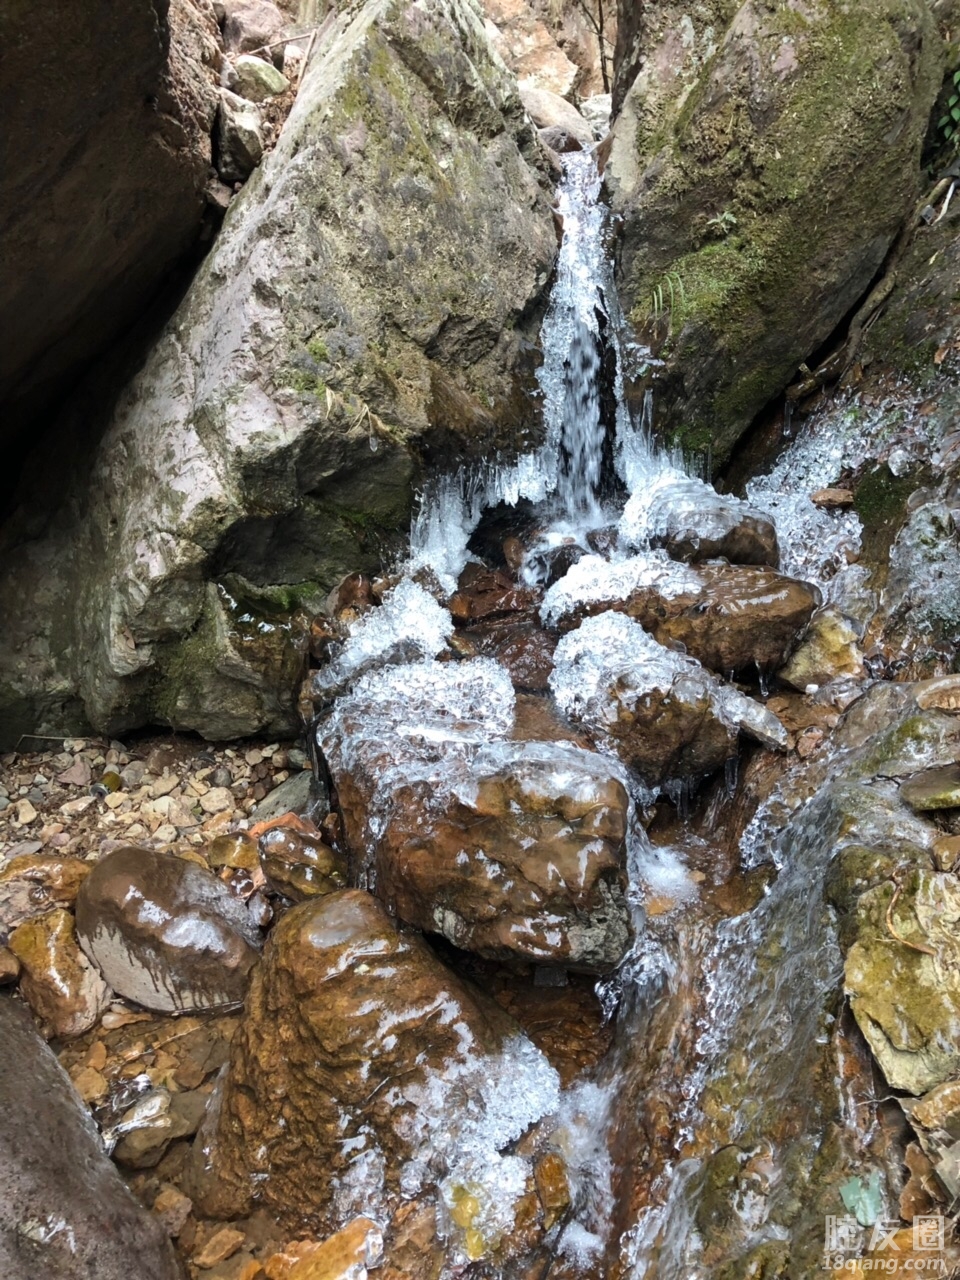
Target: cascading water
[(722, 1018)]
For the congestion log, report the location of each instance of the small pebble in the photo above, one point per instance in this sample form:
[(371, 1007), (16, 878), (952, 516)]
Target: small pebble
[(216, 800), (26, 813)]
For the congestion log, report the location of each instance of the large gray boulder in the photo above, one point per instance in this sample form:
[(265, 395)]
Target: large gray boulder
[(105, 157), (64, 1210), (762, 165), (372, 300)]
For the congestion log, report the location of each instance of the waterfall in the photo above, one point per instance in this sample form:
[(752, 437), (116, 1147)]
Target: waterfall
[(564, 475)]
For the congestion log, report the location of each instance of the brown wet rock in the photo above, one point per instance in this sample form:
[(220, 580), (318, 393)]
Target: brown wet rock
[(672, 733), (219, 1247), (510, 849), (346, 1255), (9, 966), (174, 1116), (356, 1052), (64, 1211), (488, 593), (173, 1208), (165, 933), (64, 990), (34, 883), (299, 864), (524, 649), (553, 1186), (525, 862), (354, 593), (239, 852), (923, 1193), (735, 617)]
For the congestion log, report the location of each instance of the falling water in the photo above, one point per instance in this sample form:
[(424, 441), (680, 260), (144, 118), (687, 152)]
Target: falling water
[(564, 476)]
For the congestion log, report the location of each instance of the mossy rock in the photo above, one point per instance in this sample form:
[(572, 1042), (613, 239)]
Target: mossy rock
[(902, 977), (762, 205)]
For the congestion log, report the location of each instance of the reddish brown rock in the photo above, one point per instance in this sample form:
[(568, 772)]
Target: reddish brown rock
[(33, 883), (730, 617), (361, 1073), (64, 990), (164, 932), (488, 593), (523, 649), (511, 849), (524, 864)]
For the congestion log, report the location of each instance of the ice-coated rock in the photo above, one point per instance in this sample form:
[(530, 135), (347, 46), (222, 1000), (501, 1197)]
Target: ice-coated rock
[(659, 710), (164, 932), (407, 626), (372, 300), (694, 522), (729, 617), (64, 1211), (511, 849), (363, 1071)]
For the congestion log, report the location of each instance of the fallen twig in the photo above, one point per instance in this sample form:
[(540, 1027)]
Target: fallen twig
[(905, 942)]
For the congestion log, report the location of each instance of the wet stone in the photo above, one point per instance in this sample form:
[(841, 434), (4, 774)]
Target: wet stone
[(829, 650), (346, 1255), (524, 650), (513, 850), (64, 990), (933, 789), (487, 593), (177, 1115), (64, 1211), (299, 865), (32, 884), (166, 933), (730, 617), (362, 1074)]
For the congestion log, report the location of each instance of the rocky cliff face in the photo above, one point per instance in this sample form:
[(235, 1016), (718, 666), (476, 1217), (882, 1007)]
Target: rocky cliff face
[(107, 153), (763, 161), (371, 300)]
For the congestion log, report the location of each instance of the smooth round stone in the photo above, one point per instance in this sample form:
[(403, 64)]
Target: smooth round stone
[(164, 932), (933, 789)]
